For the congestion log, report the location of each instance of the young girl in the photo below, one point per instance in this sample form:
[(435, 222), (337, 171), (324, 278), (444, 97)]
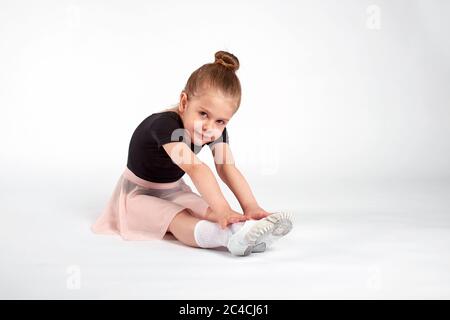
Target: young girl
[(151, 197)]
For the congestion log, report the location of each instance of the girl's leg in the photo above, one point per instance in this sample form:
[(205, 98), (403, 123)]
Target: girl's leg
[(195, 232), (182, 227)]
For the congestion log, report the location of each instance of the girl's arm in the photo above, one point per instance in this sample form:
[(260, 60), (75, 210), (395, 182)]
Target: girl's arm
[(201, 175), (232, 177), (206, 183)]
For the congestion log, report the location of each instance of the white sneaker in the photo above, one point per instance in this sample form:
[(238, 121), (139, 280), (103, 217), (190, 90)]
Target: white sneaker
[(282, 225), (257, 235)]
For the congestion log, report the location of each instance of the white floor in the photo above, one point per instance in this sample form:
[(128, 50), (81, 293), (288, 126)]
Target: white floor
[(349, 241)]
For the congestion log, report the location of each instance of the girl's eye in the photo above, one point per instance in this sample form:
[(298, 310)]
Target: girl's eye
[(204, 113)]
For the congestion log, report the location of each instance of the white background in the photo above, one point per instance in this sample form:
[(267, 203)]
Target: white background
[(344, 122)]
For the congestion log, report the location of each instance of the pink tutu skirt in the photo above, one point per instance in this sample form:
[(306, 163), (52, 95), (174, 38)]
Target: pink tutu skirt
[(142, 210)]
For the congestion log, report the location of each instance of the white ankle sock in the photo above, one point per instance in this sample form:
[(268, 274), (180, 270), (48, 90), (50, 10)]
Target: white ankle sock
[(235, 227), (209, 234)]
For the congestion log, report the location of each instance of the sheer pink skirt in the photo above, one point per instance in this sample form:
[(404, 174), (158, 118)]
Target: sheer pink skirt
[(143, 210)]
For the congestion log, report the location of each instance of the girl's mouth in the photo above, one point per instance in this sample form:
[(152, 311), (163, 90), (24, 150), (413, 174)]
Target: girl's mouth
[(202, 137)]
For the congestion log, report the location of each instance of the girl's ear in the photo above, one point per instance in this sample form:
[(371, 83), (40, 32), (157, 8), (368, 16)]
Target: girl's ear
[(183, 100)]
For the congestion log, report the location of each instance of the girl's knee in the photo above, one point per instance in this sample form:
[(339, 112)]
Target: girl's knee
[(182, 218), (182, 227)]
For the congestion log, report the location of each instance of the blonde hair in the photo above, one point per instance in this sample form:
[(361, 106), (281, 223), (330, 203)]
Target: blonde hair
[(220, 75)]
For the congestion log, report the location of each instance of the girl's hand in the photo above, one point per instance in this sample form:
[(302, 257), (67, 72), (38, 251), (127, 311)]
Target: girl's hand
[(226, 217), (256, 212)]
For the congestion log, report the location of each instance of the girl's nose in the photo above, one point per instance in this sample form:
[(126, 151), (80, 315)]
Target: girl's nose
[(207, 127), (208, 132)]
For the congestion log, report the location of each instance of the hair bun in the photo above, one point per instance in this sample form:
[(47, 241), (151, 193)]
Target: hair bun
[(227, 59)]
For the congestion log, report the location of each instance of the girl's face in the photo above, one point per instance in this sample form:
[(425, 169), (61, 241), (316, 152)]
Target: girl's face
[(205, 116)]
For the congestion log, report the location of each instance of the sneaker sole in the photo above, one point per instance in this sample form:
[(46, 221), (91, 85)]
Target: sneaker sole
[(275, 226)]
